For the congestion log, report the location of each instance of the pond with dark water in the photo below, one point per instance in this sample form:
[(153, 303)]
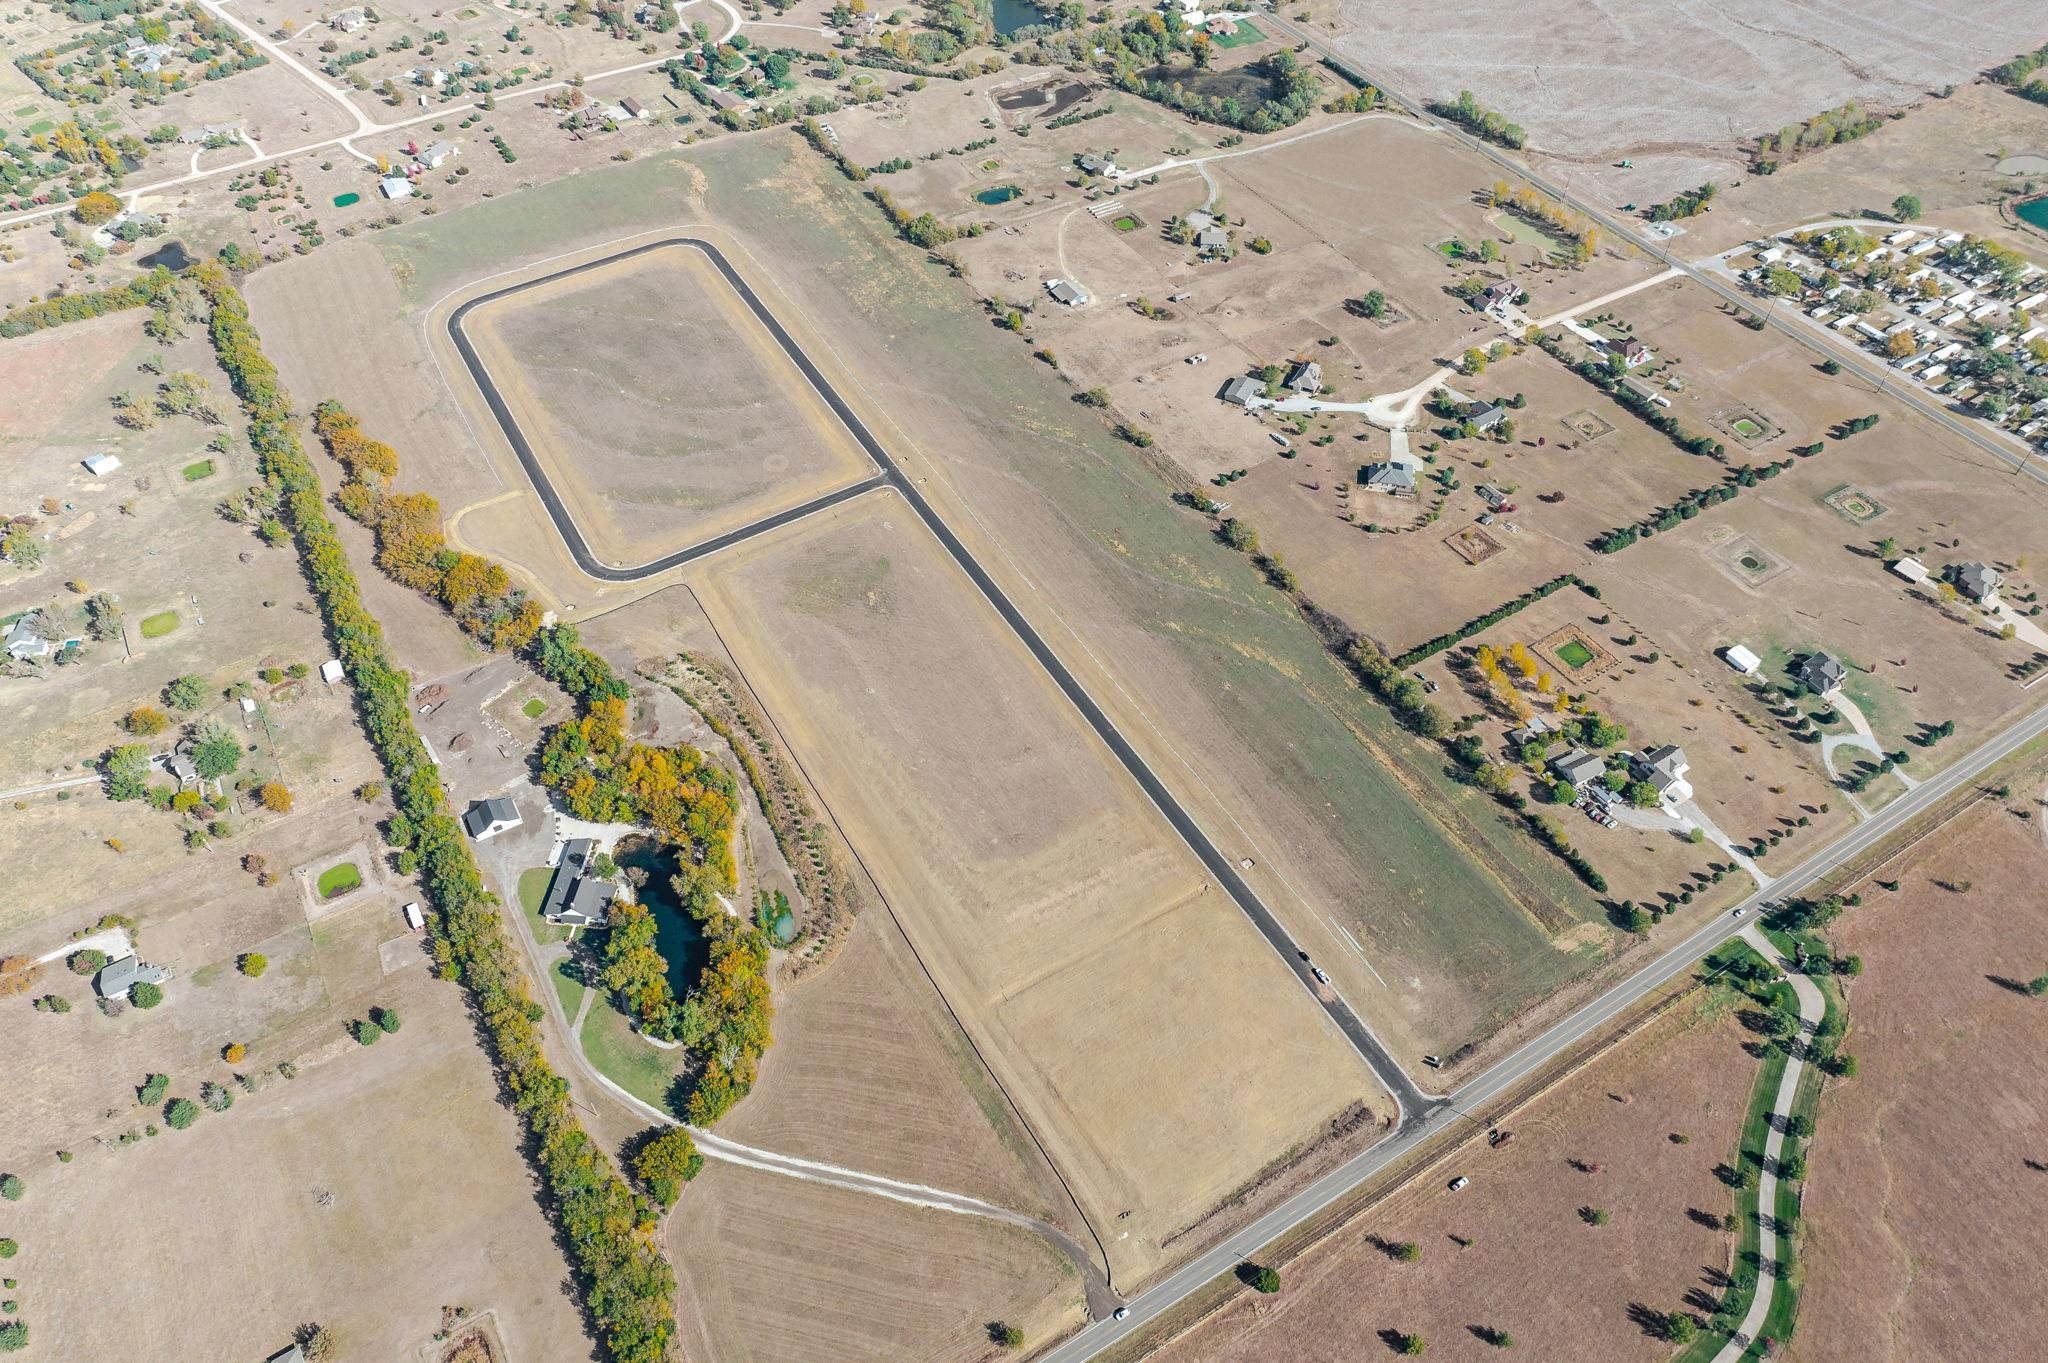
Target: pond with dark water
[(172, 255), (1011, 15), (675, 932)]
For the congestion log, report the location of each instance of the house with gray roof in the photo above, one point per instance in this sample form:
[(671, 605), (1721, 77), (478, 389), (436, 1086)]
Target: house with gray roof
[(1820, 673), (1484, 416), (1212, 239), (1067, 292), (1579, 768), (1396, 480), (489, 818), (116, 978), (1537, 727), (1241, 390), (1306, 377), (1663, 768), (1978, 581), (577, 897)]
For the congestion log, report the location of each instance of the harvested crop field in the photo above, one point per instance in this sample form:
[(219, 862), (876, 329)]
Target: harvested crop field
[(662, 409), (1563, 68), (1562, 1288), (1031, 876), (1922, 1211), (774, 1269)]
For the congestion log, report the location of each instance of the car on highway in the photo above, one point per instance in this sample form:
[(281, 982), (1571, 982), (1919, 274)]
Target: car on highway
[(1459, 1182), (1120, 1313), (1317, 971), (1738, 911)]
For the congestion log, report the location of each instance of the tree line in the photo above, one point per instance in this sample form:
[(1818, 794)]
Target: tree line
[(628, 1287)]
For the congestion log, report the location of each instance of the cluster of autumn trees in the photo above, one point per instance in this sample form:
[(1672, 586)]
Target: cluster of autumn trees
[(78, 307), (411, 548), (1554, 217), (627, 1285)]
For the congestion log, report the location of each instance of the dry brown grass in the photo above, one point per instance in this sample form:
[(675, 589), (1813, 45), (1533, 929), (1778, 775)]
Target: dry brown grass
[(1031, 877), (1562, 1288), (1921, 1215)]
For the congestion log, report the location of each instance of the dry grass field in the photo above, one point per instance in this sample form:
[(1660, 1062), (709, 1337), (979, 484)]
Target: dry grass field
[(365, 1194), (1031, 877), (1593, 83), (1924, 1206), (774, 1269), (662, 408), (1529, 1264)]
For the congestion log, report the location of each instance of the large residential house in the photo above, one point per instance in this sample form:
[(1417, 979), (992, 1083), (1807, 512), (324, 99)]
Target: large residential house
[(1664, 768), (576, 897), (1579, 768), (116, 978), (1395, 480), (1241, 390), (1820, 673), (1979, 582), (1306, 377)]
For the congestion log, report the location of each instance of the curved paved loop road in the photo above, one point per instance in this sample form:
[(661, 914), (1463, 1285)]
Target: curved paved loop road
[(1811, 1007)]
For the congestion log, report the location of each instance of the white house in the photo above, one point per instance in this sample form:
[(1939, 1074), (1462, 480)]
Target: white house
[(436, 155)]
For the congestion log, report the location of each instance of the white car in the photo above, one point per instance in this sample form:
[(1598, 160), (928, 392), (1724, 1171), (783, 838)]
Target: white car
[(1459, 1182), (1317, 971), (1120, 1313), (1738, 911)]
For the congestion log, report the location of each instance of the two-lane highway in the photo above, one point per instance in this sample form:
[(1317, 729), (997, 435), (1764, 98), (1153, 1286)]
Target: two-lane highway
[(1412, 1101)]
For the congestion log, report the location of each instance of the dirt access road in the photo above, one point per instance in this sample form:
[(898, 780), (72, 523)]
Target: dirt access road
[(1410, 1098)]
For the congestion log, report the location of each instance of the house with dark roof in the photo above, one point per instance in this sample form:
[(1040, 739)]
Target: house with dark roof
[(116, 978), (577, 897), (1820, 673), (1501, 291), (489, 818), (1634, 353), (1484, 416)]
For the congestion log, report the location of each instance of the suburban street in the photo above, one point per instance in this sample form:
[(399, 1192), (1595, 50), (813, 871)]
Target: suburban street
[(1409, 1098), (1533, 1055)]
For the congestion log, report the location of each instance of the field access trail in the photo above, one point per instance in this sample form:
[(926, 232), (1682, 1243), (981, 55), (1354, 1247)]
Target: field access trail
[(1411, 1099)]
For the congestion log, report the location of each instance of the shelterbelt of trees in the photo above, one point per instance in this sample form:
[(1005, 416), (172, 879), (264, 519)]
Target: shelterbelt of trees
[(628, 1287)]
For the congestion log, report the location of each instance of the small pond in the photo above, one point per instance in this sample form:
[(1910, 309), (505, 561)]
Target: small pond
[(1244, 83), (2034, 211), (172, 255), (675, 933), (1011, 15), (344, 200), (1001, 194)]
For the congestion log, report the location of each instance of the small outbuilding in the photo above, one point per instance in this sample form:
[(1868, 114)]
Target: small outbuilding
[(1241, 390), (1741, 659), (1911, 569), (488, 818), (100, 465), (330, 671), (1067, 292), (395, 187)]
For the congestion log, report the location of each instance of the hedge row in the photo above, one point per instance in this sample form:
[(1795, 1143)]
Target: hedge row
[(1492, 618), (77, 307), (628, 1286)]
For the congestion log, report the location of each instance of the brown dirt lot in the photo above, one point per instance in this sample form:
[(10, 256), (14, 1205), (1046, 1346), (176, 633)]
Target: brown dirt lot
[(1028, 876), (431, 1201), (1562, 1288), (665, 412), (1916, 1231), (776, 1269)]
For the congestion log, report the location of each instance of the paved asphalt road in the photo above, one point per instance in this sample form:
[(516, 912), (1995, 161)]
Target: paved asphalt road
[(1411, 1099), (1822, 345), (1533, 1055)]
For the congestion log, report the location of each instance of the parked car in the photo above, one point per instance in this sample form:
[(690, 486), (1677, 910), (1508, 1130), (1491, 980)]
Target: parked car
[(1459, 1182)]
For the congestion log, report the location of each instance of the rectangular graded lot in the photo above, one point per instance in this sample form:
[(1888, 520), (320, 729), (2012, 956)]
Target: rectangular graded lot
[(662, 409), (773, 1269), (1160, 1050)]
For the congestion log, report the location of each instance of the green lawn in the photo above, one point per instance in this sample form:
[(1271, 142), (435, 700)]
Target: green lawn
[(1245, 32), (567, 989), (26, 111), (647, 1072), (1746, 428), (1126, 223), (158, 625), (533, 888), (534, 708), (1574, 654), (202, 469), (46, 125), (338, 880)]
